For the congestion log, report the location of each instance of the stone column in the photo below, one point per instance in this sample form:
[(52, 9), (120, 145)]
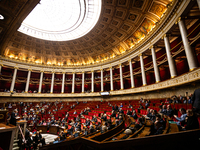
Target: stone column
[(171, 63), (13, 80), (144, 80), (52, 82), (41, 78), (111, 79), (101, 80), (73, 82), (191, 58), (155, 66), (198, 2), (63, 83), (92, 83), (121, 77), (0, 67), (131, 74), (83, 81), (28, 80)]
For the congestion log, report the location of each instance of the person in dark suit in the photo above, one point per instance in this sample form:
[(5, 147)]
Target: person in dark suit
[(196, 101), (191, 121), (13, 117), (87, 123), (31, 142), (39, 139)]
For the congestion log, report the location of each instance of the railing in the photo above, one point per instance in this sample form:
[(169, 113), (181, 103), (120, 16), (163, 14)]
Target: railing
[(22, 134)]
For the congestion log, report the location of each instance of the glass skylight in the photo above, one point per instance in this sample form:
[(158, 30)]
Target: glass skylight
[(1, 17), (61, 20)]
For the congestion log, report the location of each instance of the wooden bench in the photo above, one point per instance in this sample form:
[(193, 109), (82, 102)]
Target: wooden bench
[(173, 128), (145, 132)]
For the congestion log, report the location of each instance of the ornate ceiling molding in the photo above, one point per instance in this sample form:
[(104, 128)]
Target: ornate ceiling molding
[(106, 43), (176, 9)]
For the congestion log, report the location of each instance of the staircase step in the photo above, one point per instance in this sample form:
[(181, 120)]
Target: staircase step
[(15, 148), (15, 141), (15, 144)]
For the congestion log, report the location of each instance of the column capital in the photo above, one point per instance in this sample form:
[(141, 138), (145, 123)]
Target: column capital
[(1, 64), (92, 70), (83, 71), (29, 69), (151, 47), (101, 69), (53, 72), (16, 68), (178, 20), (41, 70), (129, 60), (164, 36), (119, 64), (110, 67), (140, 55), (73, 72), (63, 72)]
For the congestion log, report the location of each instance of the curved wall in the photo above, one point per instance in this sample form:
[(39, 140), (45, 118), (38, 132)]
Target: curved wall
[(117, 76)]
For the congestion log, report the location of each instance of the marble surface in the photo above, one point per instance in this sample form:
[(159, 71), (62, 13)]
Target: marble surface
[(49, 137)]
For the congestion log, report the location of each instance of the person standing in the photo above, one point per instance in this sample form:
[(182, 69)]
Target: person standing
[(13, 117), (196, 101)]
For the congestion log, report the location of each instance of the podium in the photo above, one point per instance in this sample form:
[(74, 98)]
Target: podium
[(7, 134), (23, 124)]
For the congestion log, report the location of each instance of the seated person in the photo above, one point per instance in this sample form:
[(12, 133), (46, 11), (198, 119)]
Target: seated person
[(61, 136), (191, 121), (146, 104), (77, 133), (163, 110), (31, 142), (181, 119), (103, 129), (78, 126), (158, 128), (92, 130), (140, 107), (121, 111), (39, 139), (120, 119), (160, 119), (87, 123), (169, 111), (134, 115), (127, 132), (153, 115), (113, 114), (110, 125), (78, 119), (129, 113), (94, 119), (104, 117), (75, 112), (130, 106), (138, 125), (71, 130), (148, 112)]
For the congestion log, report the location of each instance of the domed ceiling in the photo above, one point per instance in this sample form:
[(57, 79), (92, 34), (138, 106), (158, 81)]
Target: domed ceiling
[(122, 24)]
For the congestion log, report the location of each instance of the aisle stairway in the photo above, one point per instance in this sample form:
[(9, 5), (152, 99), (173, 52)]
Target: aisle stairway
[(15, 145)]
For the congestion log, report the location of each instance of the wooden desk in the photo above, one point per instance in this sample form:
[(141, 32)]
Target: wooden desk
[(43, 128), (53, 129), (173, 128)]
